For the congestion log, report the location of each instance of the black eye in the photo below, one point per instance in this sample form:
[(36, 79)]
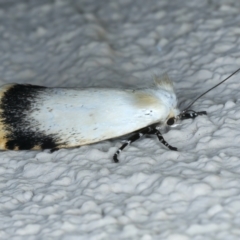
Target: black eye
[(171, 121)]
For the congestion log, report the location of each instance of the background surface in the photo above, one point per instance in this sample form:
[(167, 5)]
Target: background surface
[(153, 193)]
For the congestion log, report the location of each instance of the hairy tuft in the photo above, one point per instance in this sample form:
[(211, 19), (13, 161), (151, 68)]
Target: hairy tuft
[(164, 82)]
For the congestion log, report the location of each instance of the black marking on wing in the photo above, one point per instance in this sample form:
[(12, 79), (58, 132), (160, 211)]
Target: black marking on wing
[(16, 104)]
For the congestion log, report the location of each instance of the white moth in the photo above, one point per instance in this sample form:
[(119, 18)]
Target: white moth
[(35, 117)]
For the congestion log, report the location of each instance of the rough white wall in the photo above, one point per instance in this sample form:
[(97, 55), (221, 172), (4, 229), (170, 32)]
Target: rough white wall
[(152, 193)]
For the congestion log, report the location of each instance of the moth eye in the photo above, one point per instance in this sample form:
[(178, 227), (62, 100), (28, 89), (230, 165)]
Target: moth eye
[(170, 121)]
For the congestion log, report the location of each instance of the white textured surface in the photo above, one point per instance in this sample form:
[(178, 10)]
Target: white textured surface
[(153, 193)]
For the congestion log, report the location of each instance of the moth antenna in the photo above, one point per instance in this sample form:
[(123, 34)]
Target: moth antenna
[(210, 90)]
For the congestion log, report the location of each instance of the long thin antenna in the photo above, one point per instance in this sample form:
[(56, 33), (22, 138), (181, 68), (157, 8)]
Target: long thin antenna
[(211, 89)]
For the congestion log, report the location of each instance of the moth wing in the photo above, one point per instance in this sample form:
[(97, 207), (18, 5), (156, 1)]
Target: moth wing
[(82, 116)]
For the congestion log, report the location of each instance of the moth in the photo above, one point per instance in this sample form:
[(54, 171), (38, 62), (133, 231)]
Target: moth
[(37, 117)]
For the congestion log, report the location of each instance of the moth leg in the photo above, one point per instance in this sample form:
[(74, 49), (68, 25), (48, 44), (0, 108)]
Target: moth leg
[(144, 131), (191, 114), (54, 150), (133, 138), (162, 140)]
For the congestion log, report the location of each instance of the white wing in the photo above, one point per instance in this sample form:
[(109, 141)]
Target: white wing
[(90, 115), (38, 117)]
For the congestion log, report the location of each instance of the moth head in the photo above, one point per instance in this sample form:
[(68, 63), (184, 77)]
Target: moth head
[(173, 117)]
